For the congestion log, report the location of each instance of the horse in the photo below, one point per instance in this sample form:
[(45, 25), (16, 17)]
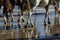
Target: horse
[(35, 3), (45, 4), (8, 7)]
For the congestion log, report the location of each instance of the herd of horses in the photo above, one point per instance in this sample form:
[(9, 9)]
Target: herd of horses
[(26, 5)]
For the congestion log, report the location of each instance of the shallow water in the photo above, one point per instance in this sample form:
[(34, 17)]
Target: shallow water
[(39, 22)]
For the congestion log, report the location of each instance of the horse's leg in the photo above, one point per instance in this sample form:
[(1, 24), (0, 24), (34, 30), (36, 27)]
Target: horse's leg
[(29, 11), (11, 12), (7, 19), (30, 18), (12, 15), (5, 16), (19, 16), (56, 15), (22, 19), (45, 18), (56, 10), (47, 15)]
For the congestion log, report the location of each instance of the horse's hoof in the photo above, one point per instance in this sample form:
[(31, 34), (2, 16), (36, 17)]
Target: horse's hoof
[(8, 21), (7, 27), (12, 20), (18, 14), (45, 23), (31, 25), (23, 20), (18, 20), (49, 22), (4, 22), (19, 26)]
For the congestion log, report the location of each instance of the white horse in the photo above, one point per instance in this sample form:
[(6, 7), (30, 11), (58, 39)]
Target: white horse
[(28, 5), (45, 4)]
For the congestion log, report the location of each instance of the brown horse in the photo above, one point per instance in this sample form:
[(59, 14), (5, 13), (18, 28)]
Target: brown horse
[(8, 7)]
